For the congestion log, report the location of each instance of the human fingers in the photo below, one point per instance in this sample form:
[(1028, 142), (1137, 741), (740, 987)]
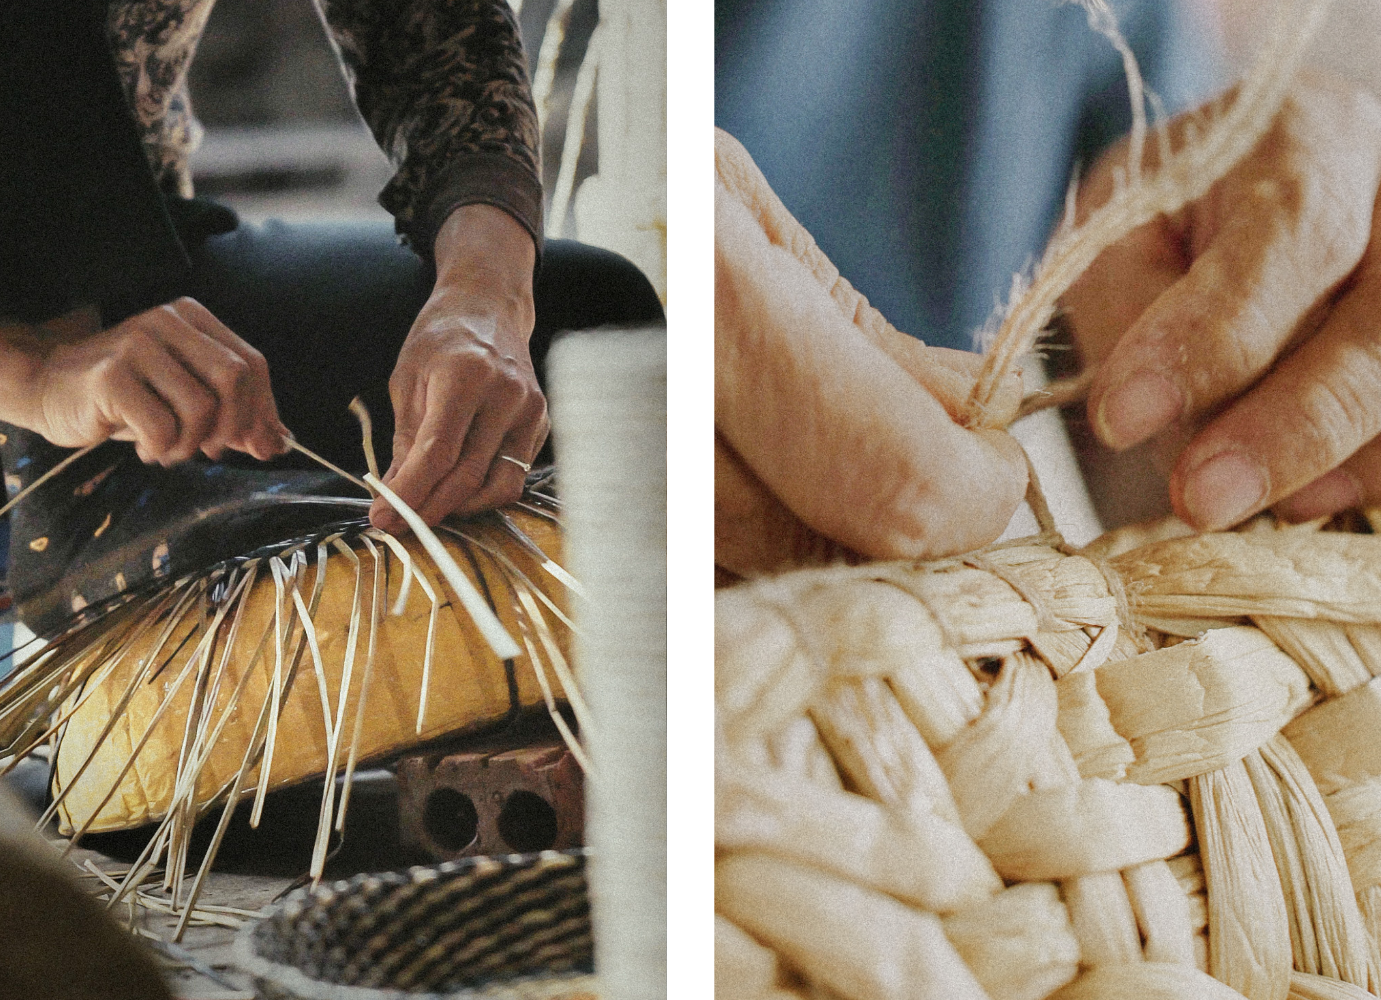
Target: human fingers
[(109, 374), (754, 532), (1317, 408), (947, 374), (832, 425), (408, 395), (192, 404), (441, 406), (238, 414), (236, 372), (1269, 245), (505, 479), (478, 479), (131, 408), (1125, 280), (1355, 483), (502, 484)]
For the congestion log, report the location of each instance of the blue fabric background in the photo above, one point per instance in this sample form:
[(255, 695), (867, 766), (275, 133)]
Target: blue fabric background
[(926, 145)]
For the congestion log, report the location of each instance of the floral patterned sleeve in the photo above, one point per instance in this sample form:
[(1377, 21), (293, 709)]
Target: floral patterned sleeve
[(443, 86)]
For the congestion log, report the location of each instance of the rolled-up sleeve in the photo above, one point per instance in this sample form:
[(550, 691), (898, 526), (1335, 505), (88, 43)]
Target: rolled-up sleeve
[(443, 86)]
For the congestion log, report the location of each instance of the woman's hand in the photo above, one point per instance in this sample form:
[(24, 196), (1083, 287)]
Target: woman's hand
[(173, 380), (464, 391), (1243, 334)]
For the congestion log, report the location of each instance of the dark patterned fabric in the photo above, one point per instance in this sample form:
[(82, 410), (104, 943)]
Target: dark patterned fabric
[(442, 85), (109, 524)]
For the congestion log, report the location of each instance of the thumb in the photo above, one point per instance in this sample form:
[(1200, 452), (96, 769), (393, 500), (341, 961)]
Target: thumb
[(832, 425)]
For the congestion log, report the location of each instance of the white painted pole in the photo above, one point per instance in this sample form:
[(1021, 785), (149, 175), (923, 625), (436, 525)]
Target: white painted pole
[(624, 206), (607, 391)]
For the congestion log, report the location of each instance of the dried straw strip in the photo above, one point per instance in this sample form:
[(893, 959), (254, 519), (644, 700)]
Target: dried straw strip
[(509, 566), (104, 669), (375, 611), (548, 564), (525, 628), (55, 470), (207, 746), (43, 682), (1045, 618), (361, 413), (197, 712), (1304, 986), (116, 714), (1162, 912), (1058, 394), (1327, 931), (859, 943), (1180, 180), (251, 757), (1104, 923), (557, 659), (253, 754), (410, 566), (275, 693), (544, 76), (1018, 943), (330, 465), (485, 620), (535, 511), (581, 94), (347, 674), (1249, 933), (867, 733)]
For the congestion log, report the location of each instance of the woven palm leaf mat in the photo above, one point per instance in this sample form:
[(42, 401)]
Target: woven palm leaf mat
[(504, 928), (1148, 769)]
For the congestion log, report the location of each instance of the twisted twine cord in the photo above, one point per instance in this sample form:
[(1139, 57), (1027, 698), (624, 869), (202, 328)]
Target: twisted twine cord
[(1185, 177)]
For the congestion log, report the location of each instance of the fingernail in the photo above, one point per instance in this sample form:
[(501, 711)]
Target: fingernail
[(1137, 408), (1325, 496), (1223, 490)]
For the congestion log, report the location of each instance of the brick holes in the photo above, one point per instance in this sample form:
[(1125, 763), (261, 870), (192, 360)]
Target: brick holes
[(527, 822), (451, 820)]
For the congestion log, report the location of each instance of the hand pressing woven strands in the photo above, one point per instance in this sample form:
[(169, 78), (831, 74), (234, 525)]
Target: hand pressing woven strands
[(1147, 769)]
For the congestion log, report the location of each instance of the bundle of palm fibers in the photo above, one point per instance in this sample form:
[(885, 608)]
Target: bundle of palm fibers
[(296, 660)]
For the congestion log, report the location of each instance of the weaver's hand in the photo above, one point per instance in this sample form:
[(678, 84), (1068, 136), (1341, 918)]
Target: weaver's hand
[(172, 380), (1249, 324), (829, 421), (464, 391)]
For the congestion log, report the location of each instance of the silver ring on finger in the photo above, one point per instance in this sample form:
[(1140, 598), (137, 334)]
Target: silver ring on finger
[(525, 466)]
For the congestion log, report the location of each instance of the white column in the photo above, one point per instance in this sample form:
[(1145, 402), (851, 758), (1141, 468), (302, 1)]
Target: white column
[(624, 206), (608, 407)]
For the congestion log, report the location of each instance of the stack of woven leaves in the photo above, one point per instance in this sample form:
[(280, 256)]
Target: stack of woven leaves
[(1151, 768)]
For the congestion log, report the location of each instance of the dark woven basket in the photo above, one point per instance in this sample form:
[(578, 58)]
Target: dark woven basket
[(507, 928)]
